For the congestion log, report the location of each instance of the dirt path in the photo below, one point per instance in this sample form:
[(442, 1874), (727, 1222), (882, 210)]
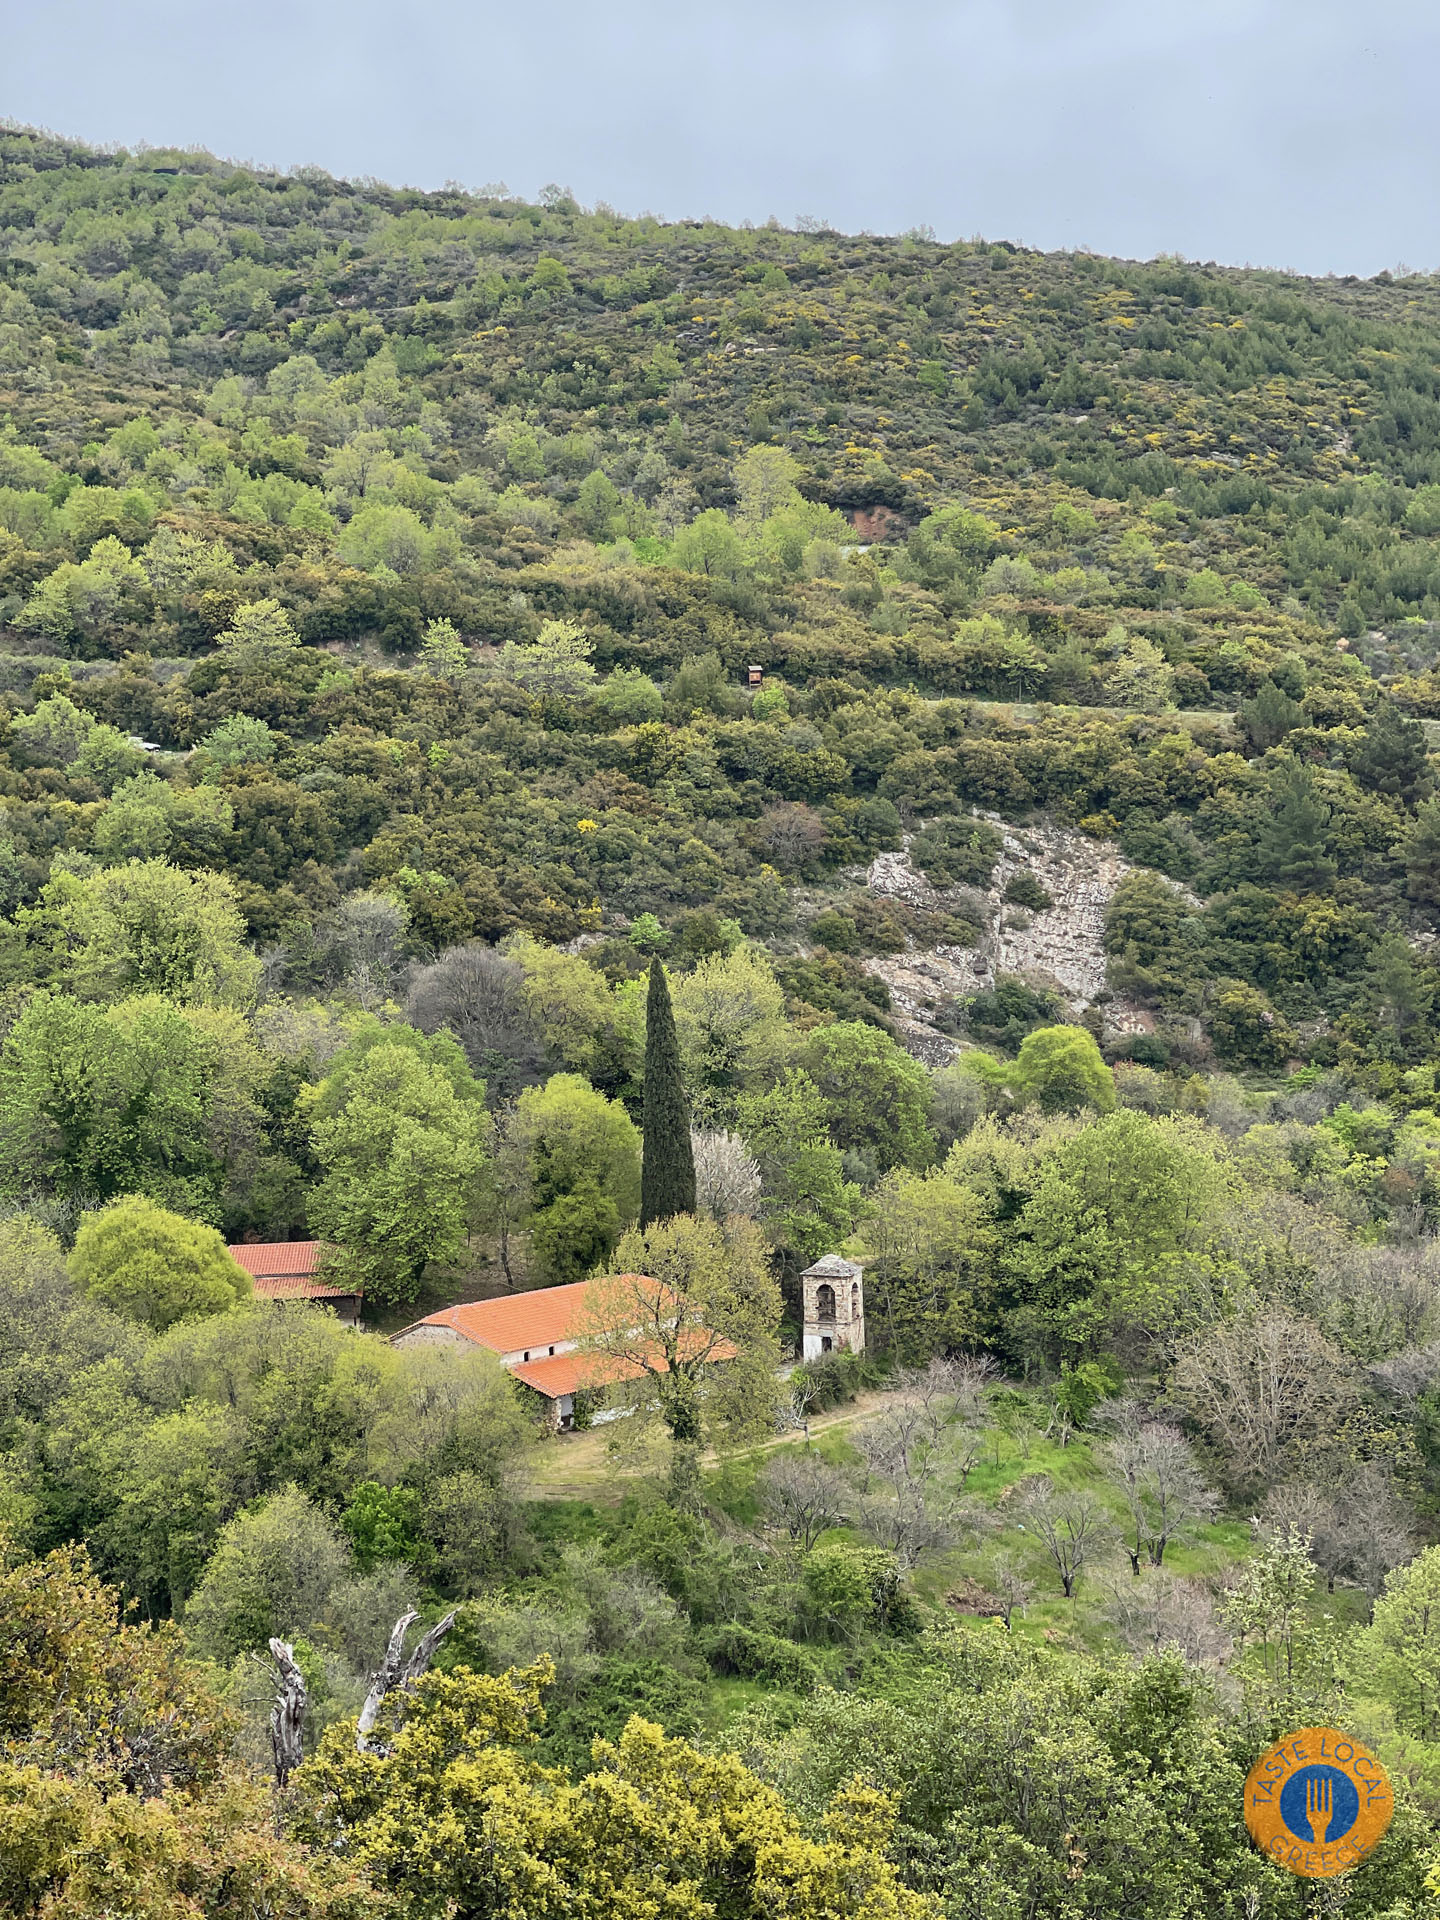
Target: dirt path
[(579, 1466)]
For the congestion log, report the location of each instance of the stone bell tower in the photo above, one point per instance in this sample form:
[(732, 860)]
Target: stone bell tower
[(834, 1307)]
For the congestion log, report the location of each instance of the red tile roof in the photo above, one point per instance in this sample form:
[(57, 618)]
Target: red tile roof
[(540, 1319), (268, 1259), (295, 1286), (567, 1371), (531, 1322)]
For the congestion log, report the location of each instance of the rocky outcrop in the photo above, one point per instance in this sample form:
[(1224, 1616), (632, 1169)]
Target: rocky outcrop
[(1060, 946)]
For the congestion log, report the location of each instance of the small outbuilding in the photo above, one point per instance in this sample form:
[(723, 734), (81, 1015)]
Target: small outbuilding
[(290, 1270)]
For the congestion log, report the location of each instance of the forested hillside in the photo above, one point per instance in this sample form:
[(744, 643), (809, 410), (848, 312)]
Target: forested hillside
[(996, 688)]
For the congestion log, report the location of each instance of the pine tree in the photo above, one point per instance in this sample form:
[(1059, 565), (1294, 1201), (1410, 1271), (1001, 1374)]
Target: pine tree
[(1389, 756), (667, 1174), (1422, 855), (1270, 716), (1293, 836), (443, 653)]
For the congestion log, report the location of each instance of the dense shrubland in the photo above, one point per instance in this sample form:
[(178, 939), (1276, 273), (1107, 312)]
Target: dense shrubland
[(380, 573)]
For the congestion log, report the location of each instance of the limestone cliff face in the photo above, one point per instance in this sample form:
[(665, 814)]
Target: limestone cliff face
[(1059, 946)]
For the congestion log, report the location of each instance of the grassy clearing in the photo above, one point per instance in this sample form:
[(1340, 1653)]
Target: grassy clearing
[(577, 1476)]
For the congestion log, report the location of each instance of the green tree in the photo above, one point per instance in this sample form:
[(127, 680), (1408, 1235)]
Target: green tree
[(1391, 753), (53, 734), (1399, 1654), (149, 819), (85, 602), (575, 1233), (709, 545), (630, 696), (764, 485), (930, 1248), (259, 638), (1292, 845), (240, 741), (567, 1000), (733, 1035), (1061, 1070), (1270, 716), (271, 1573), (689, 1322), (1113, 1239), (582, 1156), (597, 503), (144, 927), (556, 662), (667, 1179), (1403, 994), (383, 1523), (443, 653), (97, 1102), (877, 1098), (1421, 854), (1246, 1028), (1152, 940), (151, 1265), (402, 1155), (810, 1206)]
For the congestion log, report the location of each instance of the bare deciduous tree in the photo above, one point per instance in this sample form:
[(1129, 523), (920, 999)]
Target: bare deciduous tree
[(913, 1519), (805, 1495), (1405, 1376), (896, 1446), (1358, 1529), (367, 931), (1164, 1488), (805, 1390), (950, 1389), (1071, 1527), (1259, 1386), (1009, 1586), (964, 1446), (475, 993), (1161, 1612)]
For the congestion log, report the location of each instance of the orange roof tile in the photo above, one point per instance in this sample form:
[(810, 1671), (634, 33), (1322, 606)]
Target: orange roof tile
[(295, 1286), (267, 1259), (542, 1318), (567, 1371)]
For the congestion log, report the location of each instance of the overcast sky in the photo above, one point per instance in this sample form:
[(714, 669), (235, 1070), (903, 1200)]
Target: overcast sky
[(1287, 133)]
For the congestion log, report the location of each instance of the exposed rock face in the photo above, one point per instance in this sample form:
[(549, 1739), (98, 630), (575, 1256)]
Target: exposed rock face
[(1059, 946)]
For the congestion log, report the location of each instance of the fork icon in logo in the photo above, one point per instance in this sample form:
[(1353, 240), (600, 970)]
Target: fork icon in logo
[(1319, 1806)]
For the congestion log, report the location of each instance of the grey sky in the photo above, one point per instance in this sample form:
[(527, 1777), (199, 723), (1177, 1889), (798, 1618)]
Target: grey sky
[(1297, 133)]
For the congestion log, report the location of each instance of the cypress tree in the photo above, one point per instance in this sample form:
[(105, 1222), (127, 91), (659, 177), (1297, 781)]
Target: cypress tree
[(667, 1168)]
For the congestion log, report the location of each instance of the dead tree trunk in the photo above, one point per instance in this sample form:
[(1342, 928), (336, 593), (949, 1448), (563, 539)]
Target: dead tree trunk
[(397, 1673), (287, 1716)]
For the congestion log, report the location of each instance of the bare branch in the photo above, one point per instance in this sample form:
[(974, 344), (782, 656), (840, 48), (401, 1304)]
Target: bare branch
[(805, 1495), (287, 1715), (397, 1673), (1070, 1526)]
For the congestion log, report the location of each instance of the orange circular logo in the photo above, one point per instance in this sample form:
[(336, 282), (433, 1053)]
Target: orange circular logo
[(1317, 1802)]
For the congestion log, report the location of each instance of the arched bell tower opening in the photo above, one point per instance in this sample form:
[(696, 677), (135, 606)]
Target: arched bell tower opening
[(834, 1308)]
